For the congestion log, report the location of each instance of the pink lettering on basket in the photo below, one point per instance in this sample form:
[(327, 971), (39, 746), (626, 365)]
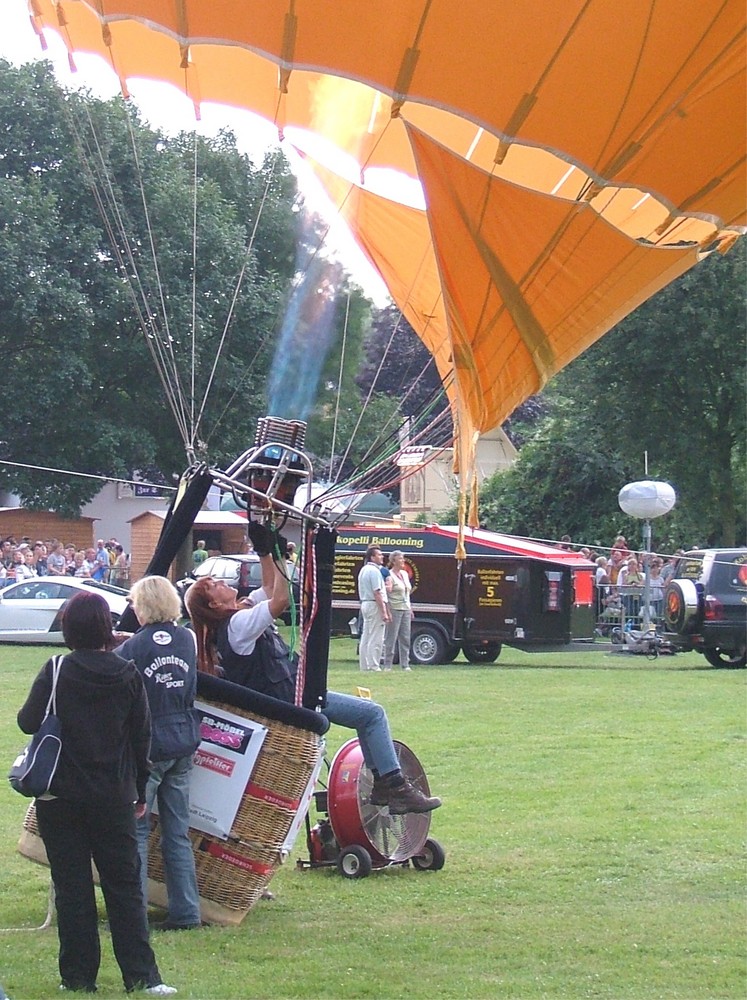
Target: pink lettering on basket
[(273, 798), (213, 762), (216, 734), (258, 867)]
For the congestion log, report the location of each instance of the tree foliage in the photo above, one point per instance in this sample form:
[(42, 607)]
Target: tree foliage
[(666, 385), (86, 394), (396, 363)]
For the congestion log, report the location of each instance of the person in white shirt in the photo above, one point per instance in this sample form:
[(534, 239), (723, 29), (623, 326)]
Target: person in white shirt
[(374, 609), (398, 629)]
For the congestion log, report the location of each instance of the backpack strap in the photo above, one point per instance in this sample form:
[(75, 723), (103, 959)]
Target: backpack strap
[(52, 703)]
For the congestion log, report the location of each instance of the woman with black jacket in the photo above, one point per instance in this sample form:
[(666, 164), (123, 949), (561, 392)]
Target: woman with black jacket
[(95, 797)]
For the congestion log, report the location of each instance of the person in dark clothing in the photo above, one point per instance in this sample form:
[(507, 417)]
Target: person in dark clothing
[(95, 796), (166, 656), (236, 639)]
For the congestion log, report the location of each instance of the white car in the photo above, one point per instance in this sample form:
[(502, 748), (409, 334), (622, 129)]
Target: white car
[(30, 610)]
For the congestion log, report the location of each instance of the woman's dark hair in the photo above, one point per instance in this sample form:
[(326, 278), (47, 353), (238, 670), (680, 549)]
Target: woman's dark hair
[(205, 621), (87, 622)]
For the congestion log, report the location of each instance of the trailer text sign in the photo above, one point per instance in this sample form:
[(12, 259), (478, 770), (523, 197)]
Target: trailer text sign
[(490, 579)]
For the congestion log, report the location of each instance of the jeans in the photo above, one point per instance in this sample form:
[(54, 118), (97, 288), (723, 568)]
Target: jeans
[(398, 634), (369, 721), (73, 834), (372, 640), (169, 784)]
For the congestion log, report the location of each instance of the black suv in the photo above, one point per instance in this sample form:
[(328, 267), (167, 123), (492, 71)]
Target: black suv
[(705, 605)]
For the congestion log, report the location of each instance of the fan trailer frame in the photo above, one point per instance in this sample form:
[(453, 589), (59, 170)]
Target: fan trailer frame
[(356, 837)]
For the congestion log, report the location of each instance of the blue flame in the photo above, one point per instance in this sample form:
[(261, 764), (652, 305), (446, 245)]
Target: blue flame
[(306, 337)]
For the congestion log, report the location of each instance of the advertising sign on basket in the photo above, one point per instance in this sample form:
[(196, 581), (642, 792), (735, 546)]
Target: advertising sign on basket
[(224, 761)]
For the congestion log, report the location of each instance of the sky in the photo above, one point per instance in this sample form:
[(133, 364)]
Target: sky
[(166, 108)]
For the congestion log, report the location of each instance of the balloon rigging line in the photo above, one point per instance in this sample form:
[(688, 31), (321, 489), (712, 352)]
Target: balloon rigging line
[(195, 178), (675, 110), (148, 327), (339, 382), (86, 475), (169, 340), (370, 393), (386, 351), (239, 282), (155, 343), (379, 473), (379, 470), (320, 243), (176, 396), (437, 393), (243, 380), (624, 102)]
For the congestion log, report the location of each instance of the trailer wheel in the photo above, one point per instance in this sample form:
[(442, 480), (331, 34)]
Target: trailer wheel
[(354, 862), (431, 859), (482, 652), (452, 651), (428, 645)]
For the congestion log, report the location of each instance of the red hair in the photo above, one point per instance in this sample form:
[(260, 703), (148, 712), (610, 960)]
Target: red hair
[(205, 621)]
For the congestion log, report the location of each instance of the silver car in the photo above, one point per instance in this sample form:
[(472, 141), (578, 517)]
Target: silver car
[(30, 610)]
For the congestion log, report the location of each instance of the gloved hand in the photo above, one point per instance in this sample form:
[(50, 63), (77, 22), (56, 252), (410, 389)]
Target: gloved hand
[(260, 537), (278, 544)]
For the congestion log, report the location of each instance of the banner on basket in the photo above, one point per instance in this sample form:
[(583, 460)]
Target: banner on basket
[(223, 761)]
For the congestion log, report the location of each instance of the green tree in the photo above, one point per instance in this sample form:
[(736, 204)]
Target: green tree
[(77, 273), (397, 363)]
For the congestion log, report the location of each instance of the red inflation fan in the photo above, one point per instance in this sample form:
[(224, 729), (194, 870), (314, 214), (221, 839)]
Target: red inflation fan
[(355, 836)]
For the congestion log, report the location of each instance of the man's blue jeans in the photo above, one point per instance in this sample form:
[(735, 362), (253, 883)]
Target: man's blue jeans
[(370, 723), (169, 783)]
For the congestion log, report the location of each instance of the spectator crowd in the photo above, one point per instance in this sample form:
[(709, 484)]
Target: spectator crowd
[(26, 559), (620, 579)]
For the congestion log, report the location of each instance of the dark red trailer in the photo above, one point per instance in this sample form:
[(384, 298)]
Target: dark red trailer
[(507, 591)]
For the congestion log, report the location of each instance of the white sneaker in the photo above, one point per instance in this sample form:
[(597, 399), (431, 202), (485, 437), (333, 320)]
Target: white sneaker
[(162, 990)]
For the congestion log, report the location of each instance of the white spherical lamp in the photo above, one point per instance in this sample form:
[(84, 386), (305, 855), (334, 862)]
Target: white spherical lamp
[(647, 499)]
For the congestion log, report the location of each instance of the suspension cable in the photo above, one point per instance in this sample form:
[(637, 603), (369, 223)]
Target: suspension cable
[(159, 284), (239, 282), (193, 426), (145, 317), (339, 383)]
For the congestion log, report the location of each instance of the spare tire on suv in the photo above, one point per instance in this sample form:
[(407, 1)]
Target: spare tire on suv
[(705, 605), (683, 606)]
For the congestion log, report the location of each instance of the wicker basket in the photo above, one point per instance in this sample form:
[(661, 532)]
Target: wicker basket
[(233, 873)]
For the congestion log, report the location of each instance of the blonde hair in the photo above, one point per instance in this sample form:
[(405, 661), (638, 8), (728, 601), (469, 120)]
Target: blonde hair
[(155, 600)]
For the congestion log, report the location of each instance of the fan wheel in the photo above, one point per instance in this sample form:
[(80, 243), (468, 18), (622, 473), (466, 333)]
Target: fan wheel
[(354, 862), (431, 859)]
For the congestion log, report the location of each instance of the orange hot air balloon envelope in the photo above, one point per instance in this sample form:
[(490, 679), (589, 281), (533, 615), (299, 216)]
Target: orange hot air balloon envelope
[(574, 157)]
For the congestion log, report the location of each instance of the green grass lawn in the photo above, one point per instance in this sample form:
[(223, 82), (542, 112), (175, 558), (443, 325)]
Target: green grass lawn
[(594, 821)]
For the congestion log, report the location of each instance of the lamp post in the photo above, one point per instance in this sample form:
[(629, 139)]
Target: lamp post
[(646, 500)]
